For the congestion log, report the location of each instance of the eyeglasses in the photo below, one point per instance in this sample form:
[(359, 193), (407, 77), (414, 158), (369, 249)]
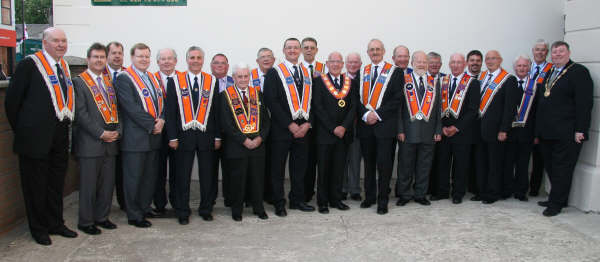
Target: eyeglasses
[(142, 56), (335, 61)]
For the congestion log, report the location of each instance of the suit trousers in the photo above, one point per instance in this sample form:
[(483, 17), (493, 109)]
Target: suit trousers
[(377, 153), (560, 158), (537, 172), (417, 164), (399, 168), (489, 169), (433, 173), (165, 155), (311, 169), (246, 177), (119, 181), (454, 162), (139, 181), (351, 179), (332, 162), (516, 177), (96, 184), (185, 163), (298, 152), (42, 182)]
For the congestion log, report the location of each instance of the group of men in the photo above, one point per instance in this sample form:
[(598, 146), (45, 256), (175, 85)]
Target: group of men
[(132, 127)]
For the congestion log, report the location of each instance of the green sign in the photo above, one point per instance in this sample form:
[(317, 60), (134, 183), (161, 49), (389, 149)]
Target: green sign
[(139, 2)]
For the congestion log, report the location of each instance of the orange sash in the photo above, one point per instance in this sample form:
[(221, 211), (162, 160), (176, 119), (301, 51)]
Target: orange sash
[(248, 122), (64, 104), (419, 109), (529, 96), (491, 90), (108, 109), (144, 93), (299, 109), (319, 67), (452, 103), (195, 118), (255, 78), (371, 99), (160, 82), (333, 91), (107, 72)]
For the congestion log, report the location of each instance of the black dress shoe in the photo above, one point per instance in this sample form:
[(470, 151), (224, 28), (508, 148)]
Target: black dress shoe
[(151, 214), (106, 224), (206, 217), (475, 198), (456, 200), (183, 220), (488, 201), (382, 210), (436, 198), (423, 201), (302, 207), (262, 215), (280, 212), (160, 211), (64, 231), (356, 197), (550, 212), (522, 198), (402, 202), (365, 204), (344, 196), (237, 218), (341, 206), (323, 210), (43, 240), (140, 223), (90, 230), (544, 203)]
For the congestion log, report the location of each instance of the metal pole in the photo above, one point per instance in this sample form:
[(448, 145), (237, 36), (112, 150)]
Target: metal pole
[(23, 29)]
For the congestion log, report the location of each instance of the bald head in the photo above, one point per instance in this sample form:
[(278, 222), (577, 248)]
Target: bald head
[(353, 63), (419, 62), (401, 56), (335, 63), (457, 64), (493, 60), (54, 41)]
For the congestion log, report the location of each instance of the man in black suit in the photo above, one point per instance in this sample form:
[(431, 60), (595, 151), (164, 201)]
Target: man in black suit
[(401, 58), (474, 62), (562, 123), (141, 110), (459, 103), (40, 107), (434, 64), (351, 179), (288, 91), (419, 128), (193, 133), (380, 95), (334, 103), (496, 111), (245, 123)]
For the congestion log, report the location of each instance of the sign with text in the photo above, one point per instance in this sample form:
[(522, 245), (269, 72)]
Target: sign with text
[(140, 2)]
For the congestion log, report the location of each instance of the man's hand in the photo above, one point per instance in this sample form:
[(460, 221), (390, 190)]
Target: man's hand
[(536, 141), (437, 138), (257, 141), (339, 131), (501, 136), (158, 126), (371, 118), (109, 136), (249, 144), (302, 130), (174, 144), (451, 131), (293, 127), (401, 137), (579, 137), (217, 144)]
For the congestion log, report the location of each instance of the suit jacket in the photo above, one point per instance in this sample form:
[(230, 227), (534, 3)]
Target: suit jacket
[(420, 131), (466, 122), (30, 111), (233, 143), (276, 101), (388, 111), (191, 139), (136, 123), (89, 125), (329, 115), (501, 111), (568, 109), (525, 134)]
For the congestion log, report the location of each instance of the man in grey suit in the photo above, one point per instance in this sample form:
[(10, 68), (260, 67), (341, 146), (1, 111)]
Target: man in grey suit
[(419, 128), (95, 133), (141, 104)]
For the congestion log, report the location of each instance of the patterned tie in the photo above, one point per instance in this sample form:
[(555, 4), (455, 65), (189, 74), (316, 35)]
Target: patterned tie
[(374, 77), (245, 100), (150, 87), (311, 70), (298, 80), (421, 89), (101, 87), (537, 72), (61, 79), (487, 83), (453, 87), (195, 92), (336, 82)]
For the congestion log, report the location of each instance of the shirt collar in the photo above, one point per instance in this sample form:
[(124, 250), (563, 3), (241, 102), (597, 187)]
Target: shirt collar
[(191, 75), (339, 77), (94, 76), (289, 64), (458, 77), (137, 71), (534, 64), (164, 76), (49, 58), (496, 72), (380, 65)]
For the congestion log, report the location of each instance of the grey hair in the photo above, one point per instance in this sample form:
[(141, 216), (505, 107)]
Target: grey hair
[(170, 49), (400, 46), (354, 54), (519, 57), (416, 53), (47, 31), (541, 42), (263, 49), (193, 48), (434, 55), (239, 66)]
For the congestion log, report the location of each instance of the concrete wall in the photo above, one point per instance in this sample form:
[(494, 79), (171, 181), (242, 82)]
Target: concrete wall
[(240, 28), (582, 32)]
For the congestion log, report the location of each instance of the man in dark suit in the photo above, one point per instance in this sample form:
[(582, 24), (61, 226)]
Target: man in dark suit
[(351, 179), (474, 62), (419, 127), (496, 111), (459, 96), (193, 133), (40, 107), (141, 103), (334, 103), (245, 123), (401, 58), (288, 91), (380, 95), (95, 132), (434, 64), (562, 123)]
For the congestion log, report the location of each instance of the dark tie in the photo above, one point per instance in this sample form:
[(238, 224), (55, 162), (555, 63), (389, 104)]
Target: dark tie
[(521, 85), (453, 87), (61, 79), (336, 82), (245, 100), (101, 87), (170, 82), (537, 71), (421, 89), (298, 80), (195, 92), (311, 70), (114, 77), (374, 77)]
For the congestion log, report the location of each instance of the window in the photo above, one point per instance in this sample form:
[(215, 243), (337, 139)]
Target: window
[(6, 12)]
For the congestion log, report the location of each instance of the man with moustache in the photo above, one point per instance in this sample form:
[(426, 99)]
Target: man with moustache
[(562, 122), (309, 53), (474, 62), (193, 130), (419, 127), (95, 133), (40, 105), (380, 96), (351, 179), (401, 57), (496, 111), (334, 103), (459, 104), (288, 92), (434, 64)]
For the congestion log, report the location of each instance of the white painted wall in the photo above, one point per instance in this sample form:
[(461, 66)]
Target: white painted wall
[(582, 26), (240, 28)]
